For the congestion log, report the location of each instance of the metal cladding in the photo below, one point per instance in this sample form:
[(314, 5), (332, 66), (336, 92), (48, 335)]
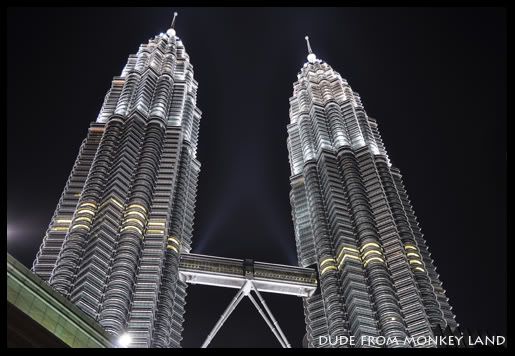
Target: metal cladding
[(126, 213), (353, 220)]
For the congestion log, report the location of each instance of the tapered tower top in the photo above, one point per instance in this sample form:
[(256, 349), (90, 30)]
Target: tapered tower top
[(311, 56), (171, 31)]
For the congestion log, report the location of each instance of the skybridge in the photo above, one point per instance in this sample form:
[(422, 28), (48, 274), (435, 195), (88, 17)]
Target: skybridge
[(247, 275)]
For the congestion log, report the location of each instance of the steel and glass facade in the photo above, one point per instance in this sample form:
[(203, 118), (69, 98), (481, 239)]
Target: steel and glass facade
[(126, 212), (353, 220)]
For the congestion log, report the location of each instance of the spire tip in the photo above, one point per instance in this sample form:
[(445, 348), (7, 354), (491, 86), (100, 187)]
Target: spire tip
[(173, 20), (171, 31), (311, 56)]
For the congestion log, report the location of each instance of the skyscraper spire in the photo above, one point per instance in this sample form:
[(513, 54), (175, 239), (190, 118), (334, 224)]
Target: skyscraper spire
[(311, 56), (309, 46), (173, 20), (171, 32)]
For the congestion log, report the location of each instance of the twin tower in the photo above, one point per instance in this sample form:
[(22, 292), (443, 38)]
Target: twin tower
[(125, 216)]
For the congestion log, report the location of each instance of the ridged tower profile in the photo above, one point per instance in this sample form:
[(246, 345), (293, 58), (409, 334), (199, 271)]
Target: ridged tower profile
[(126, 212), (353, 221)]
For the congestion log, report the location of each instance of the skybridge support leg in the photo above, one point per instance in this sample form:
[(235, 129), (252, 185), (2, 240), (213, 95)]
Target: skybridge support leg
[(270, 325), (230, 308), (269, 318), (276, 324)]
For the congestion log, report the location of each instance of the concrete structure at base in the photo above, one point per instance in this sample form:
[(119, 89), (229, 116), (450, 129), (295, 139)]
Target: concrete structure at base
[(38, 316)]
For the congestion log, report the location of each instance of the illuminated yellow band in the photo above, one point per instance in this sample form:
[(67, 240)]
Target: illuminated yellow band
[(419, 269), (120, 205), (137, 206), (369, 244), (156, 223), (116, 202), (326, 261), (173, 239), (170, 247), (328, 268), (372, 251), (131, 227), (151, 231), (93, 205), (415, 262), (80, 225), (348, 256), (410, 246), (412, 254), (135, 221), (84, 218), (346, 249), (63, 221), (59, 228), (89, 211), (373, 259), (136, 213)]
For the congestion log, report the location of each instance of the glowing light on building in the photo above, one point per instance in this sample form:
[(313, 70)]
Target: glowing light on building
[(125, 340)]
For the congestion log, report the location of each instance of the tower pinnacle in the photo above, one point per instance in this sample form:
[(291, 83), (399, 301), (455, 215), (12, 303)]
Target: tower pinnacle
[(311, 56), (171, 31)]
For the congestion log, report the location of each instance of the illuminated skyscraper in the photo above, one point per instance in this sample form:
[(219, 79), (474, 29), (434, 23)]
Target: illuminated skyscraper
[(113, 244), (353, 220)]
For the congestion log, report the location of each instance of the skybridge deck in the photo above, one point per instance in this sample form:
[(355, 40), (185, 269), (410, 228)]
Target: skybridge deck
[(234, 273)]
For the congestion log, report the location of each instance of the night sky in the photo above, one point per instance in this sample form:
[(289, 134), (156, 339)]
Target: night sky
[(434, 78)]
